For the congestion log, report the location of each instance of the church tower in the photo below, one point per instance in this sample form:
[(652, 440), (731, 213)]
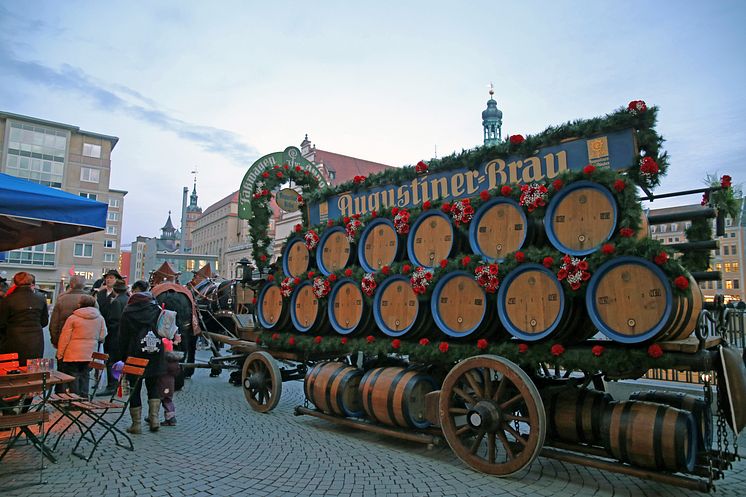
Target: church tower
[(492, 121), (193, 213)]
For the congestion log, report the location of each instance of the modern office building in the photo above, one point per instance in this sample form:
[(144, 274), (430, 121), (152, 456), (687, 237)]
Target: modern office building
[(63, 156)]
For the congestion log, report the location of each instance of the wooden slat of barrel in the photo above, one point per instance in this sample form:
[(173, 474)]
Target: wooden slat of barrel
[(532, 303), (398, 306), (431, 240), (630, 299), (687, 321), (501, 229), (335, 253), (271, 305), (461, 304), (380, 246), (583, 219), (650, 435), (690, 403), (296, 258), (576, 415), (306, 307), (334, 388), (347, 305), (395, 396)]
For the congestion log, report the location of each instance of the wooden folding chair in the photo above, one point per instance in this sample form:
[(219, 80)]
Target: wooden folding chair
[(20, 417), (8, 362), (62, 402), (92, 413)]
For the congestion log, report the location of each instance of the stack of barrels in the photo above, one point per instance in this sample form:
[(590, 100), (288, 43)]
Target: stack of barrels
[(629, 299)]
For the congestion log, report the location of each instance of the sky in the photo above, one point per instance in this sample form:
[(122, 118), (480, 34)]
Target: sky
[(213, 86)]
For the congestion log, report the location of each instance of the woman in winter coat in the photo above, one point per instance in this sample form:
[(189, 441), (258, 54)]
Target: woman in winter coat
[(23, 315), (81, 335), (138, 337)]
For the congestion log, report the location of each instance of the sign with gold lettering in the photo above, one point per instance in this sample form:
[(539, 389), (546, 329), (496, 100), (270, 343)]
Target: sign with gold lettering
[(615, 150)]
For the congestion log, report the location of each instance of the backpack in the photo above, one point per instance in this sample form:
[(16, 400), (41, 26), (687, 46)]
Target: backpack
[(166, 324)]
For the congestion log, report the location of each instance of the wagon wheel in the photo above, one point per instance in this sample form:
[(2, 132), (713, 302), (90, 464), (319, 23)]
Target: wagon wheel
[(261, 380), (492, 415)]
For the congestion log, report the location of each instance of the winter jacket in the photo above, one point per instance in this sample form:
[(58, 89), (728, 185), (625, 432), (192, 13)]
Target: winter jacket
[(103, 300), (114, 315), (66, 304), (140, 318), (23, 315), (81, 334)]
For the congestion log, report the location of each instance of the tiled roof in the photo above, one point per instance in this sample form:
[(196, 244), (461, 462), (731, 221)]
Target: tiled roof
[(232, 198), (345, 167)]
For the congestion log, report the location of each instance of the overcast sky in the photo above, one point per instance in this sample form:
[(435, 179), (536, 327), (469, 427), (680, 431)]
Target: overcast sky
[(217, 84)]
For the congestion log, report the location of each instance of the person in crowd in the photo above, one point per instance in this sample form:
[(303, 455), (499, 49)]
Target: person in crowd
[(111, 343), (167, 381), (3, 287), (64, 307), (106, 293), (82, 334), (138, 337), (140, 286), (23, 316)]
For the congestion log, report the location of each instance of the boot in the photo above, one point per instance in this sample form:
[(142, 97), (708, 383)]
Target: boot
[(169, 422), (136, 415), (154, 408)]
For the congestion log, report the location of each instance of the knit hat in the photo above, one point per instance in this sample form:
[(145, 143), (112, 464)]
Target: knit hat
[(120, 286)]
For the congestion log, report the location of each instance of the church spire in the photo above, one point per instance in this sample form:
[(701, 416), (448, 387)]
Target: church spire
[(492, 121)]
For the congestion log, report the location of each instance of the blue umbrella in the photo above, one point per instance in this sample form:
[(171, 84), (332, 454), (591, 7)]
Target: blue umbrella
[(31, 214)]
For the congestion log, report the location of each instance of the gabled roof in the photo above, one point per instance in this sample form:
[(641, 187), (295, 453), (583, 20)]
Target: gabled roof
[(232, 198), (345, 168)]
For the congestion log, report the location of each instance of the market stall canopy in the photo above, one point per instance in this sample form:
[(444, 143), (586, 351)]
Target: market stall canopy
[(31, 214)]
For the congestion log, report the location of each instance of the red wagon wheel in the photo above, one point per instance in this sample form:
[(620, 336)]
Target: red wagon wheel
[(262, 382), (492, 415)]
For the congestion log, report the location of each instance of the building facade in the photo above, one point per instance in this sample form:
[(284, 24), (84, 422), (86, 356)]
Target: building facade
[(63, 156)]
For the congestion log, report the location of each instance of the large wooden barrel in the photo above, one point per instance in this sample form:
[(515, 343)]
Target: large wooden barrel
[(334, 387), (379, 245), (460, 307), (432, 238), (272, 310), (696, 406), (532, 306), (295, 258), (500, 227), (397, 311), (650, 435), (349, 312), (334, 251), (576, 414), (630, 300), (306, 314), (396, 396), (688, 315), (581, 217)]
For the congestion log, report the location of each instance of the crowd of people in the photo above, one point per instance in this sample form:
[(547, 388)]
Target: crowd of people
[(122, 321)]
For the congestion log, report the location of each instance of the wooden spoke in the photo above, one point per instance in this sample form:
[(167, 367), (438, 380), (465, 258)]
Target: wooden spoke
[(491, 379), (261, 366)]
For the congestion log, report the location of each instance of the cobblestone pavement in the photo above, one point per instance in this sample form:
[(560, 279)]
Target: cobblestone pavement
[(222, 448)]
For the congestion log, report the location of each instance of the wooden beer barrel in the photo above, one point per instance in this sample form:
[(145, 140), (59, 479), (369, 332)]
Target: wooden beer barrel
[(650, 435), (459, 306), (271, 309), (295, 258), (432, 238), (630, 300), (334, 387), (690, 403), (580, 218), (305, 312), (334, 251), (397, 310), (688, 315), (396, 396), (348, 310), (576, 415), (379, 245), (532, 305), (500, 227)]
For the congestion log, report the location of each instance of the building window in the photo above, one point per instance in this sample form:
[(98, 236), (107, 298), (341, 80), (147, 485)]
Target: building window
[(39, 255), (674, 227), (36, 153), (728, 285), (733, 234), (91, 150), (83, 250), (670, 240), (727, 267), (652, 228), (89, 196), (687, 225), (728, 222), (109, 257), (676, 239), (735, 284), (89, 174), (735, 267), (718, 267), (663, 228), (733, 250), (111, 230), (113, 202), (112, 216), (725, 250), (110, 243)]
